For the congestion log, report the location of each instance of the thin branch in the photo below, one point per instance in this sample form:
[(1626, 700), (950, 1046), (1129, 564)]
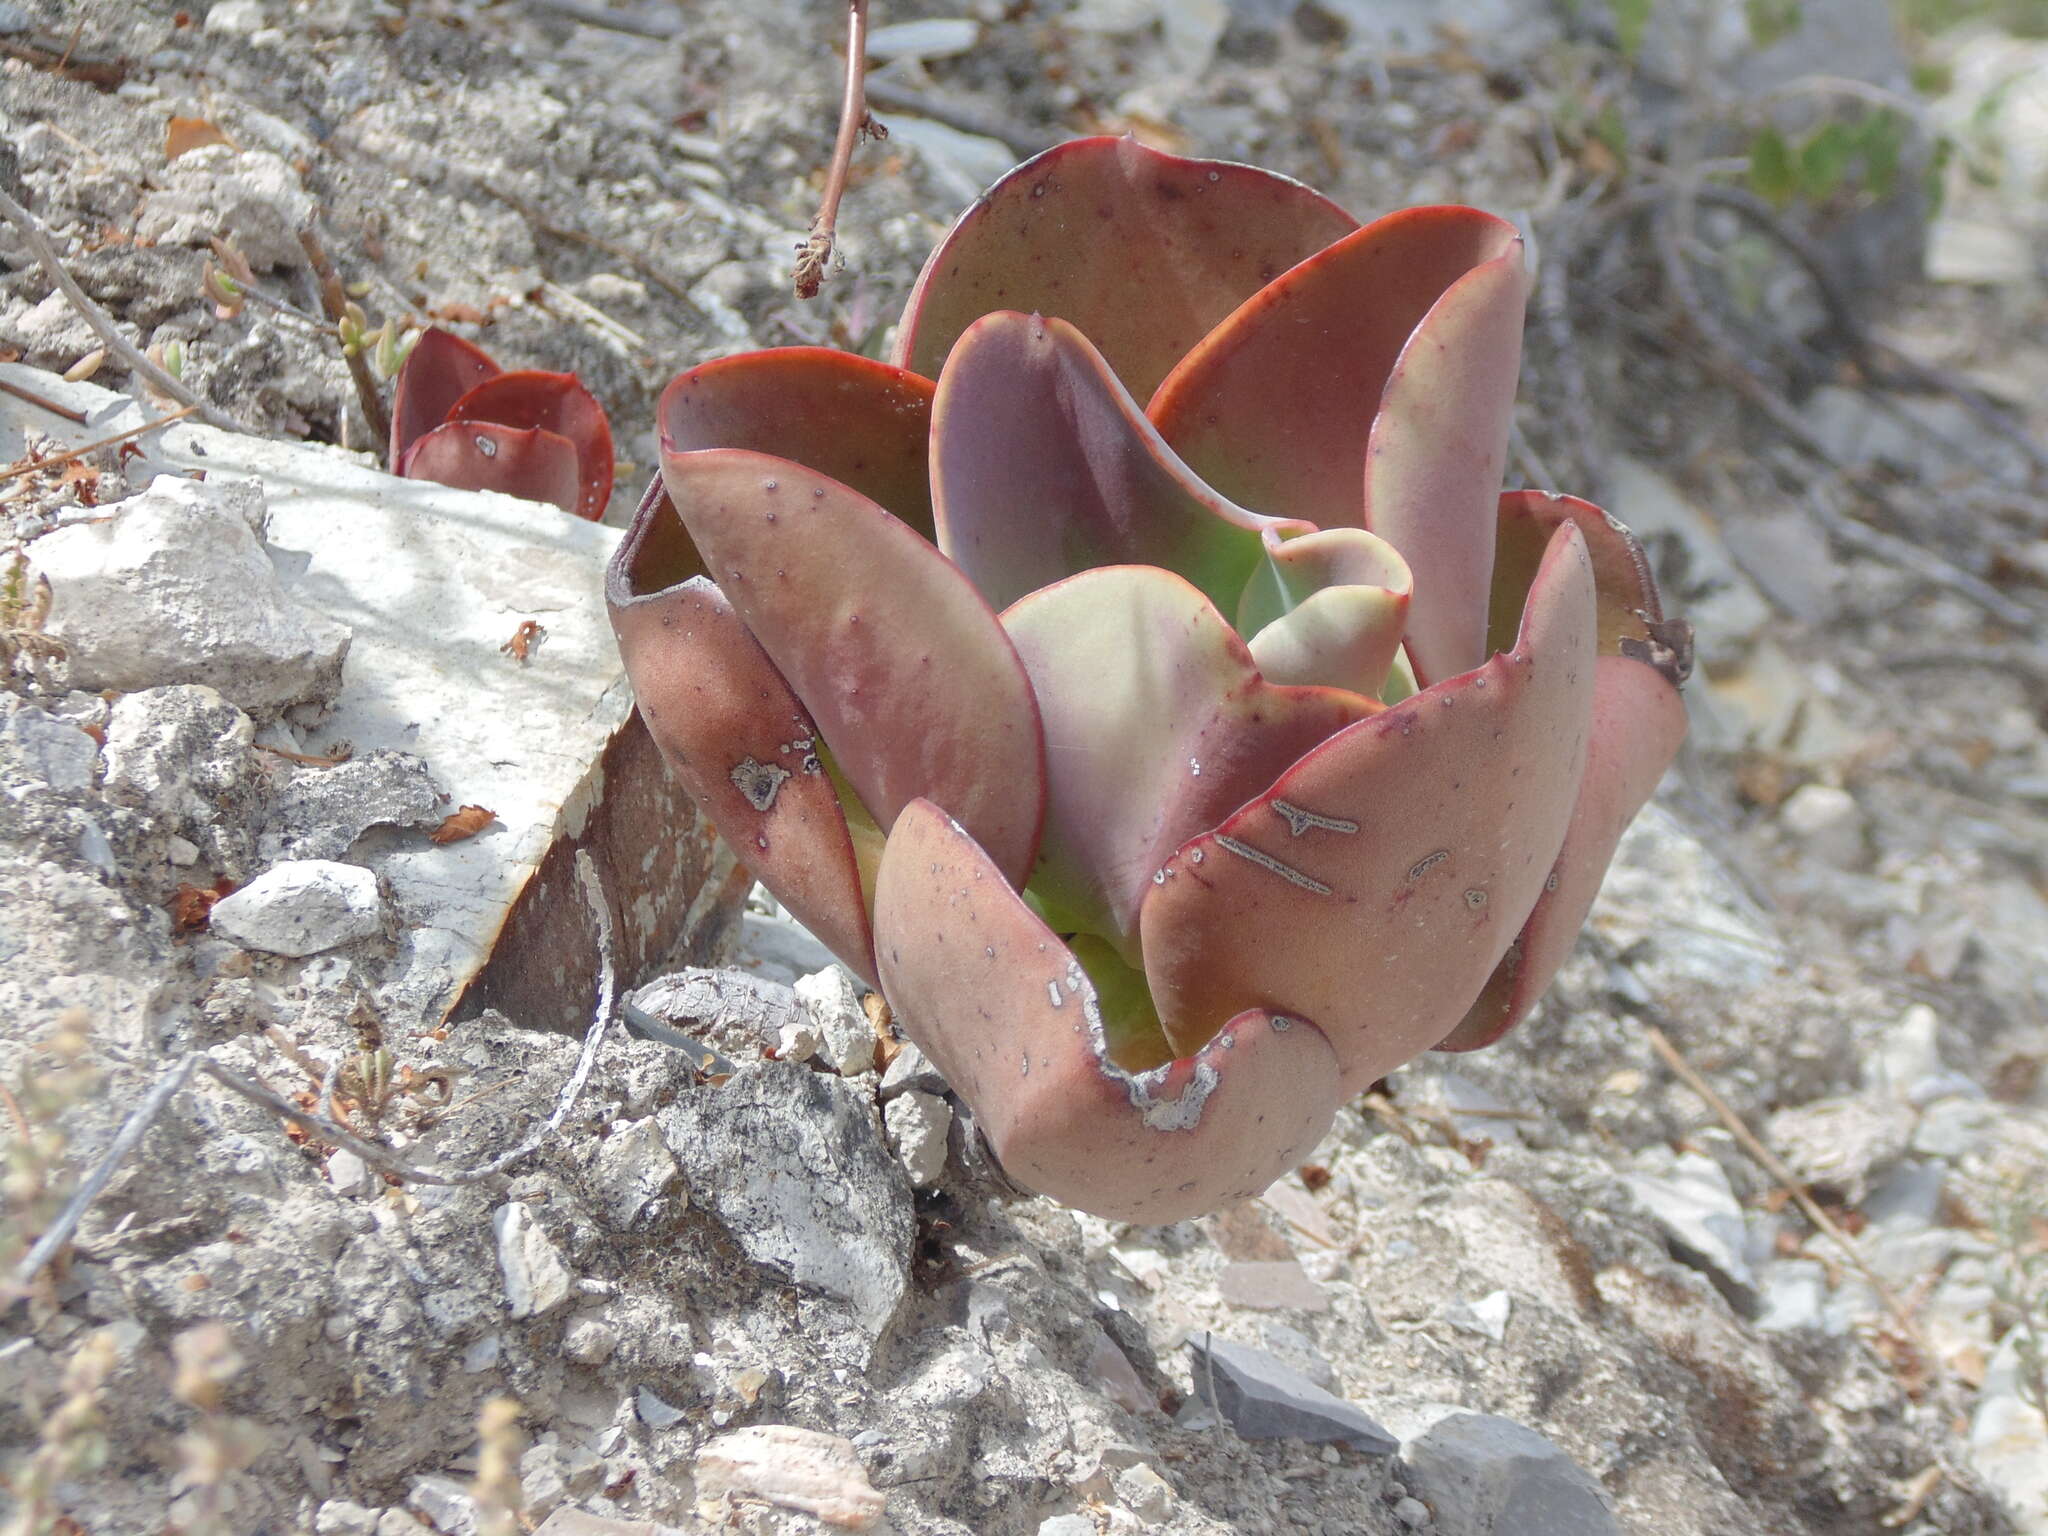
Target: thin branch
[(1772, 1164), (334, 300), (29, 467), (137, 1125), (102, 324), (816, 252), (1670, 221), (42, 404)]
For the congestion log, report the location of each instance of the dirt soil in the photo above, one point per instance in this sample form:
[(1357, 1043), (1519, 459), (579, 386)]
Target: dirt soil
[(1836, 913)]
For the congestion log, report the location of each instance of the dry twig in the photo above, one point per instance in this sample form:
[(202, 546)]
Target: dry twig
[(1772, 1164), (854, 122), (1670, 226), (41, 403), (102, 324), (53, 461), (137, 1125)]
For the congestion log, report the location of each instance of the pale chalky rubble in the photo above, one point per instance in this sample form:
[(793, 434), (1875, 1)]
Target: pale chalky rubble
[(763, 1273), (302, 907)]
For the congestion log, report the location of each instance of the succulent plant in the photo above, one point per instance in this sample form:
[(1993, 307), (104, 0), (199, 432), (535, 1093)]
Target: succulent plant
[(1177, 770), (459, 419)]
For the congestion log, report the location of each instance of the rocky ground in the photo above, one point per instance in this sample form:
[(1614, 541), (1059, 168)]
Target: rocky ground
[(1569, 1291)]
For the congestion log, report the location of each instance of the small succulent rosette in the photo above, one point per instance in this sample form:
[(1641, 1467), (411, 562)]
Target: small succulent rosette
[(1176, 769), (459, 419)]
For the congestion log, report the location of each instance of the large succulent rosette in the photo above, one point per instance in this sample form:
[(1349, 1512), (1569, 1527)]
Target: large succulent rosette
[(1177, 770)]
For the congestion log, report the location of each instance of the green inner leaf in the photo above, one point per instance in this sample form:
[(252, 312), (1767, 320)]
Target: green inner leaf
[(867, 834), (1130, 1024)]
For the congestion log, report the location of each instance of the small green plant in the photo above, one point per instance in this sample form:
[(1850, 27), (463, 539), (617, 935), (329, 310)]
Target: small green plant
[(36, 1181), (74, 1443), (219, 1447), (500, 1499)]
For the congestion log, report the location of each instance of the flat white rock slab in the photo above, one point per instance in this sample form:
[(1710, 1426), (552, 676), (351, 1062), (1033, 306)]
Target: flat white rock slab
[(433, 582)]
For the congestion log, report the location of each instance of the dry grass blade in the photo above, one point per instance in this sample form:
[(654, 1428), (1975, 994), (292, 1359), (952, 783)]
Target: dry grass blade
[(102, 324), (1772, 1164), (56, 460), (166, 1088)]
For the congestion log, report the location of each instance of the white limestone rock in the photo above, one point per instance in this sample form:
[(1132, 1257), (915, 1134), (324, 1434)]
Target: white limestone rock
[(174, 586), (846, 1038), (302, 907), (918, 1123)]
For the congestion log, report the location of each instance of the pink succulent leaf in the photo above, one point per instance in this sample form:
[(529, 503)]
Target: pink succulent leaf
[(733, 732), (905, 669), (1638, 726), (1630, 608), (1327, 608), (1009, 1015), (1410, 847), (863, 423), (1042, 465), (1434, 460), (1142, 251), (1157, 726), (439, 370), (553, 402), (1273, 407), (529, 462)]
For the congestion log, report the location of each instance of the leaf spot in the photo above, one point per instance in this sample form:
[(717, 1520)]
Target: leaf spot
[(1266, 861), (758, 782), (1299, 820), (1427, 862)]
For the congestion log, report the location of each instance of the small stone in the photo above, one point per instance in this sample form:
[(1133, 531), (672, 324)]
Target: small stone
[(483, 1355), (301, 907), (1828, 824), (536, 1278), (342, 1517), (44, 749), (1145, 1493), (655, 1413), (1412, 1513), (1486, 1317), (1794, 1296), (1841, 1143), (236, 18), (1277, 1286), (831, 1000), (937, 37), (590, 1341), (348, 1173), (182, 751), (1067, 1525), (795, 1468), (1701, 1218), (918, 1123), (1266, 1400), (1480, 1472), (638, 1184), (319, 813), (797, 1041), (1113, 1372), (820, 1200), (173, 586), (910, 1068), (446, 1504)]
